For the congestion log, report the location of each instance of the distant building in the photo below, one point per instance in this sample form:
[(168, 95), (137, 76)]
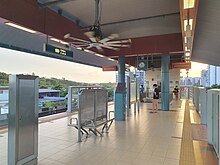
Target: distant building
[(139, 73), (189, 81), (204, 78), (213, 75)]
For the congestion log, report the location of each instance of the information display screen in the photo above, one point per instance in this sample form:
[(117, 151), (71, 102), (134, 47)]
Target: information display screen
[(57, 50)]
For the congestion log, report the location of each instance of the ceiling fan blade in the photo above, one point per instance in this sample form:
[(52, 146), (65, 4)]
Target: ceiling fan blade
[(67, 36), (119, 45), (99, 48), (111, 37), (78, 45), (90, 46), (109, 47), (120, 42), (90, 35)]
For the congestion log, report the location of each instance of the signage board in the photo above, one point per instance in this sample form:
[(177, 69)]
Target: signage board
[(57, 50), (181, 65), (109, 68)]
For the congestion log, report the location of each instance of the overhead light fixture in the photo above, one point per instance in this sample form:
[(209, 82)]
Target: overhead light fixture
[(188, 4), (187, 54), (187, 58), (185, 40), (88, 51), (111, 59), (20, 27), (188, 24), (59, 41), (99, 55), (186, 49), (79, 48)]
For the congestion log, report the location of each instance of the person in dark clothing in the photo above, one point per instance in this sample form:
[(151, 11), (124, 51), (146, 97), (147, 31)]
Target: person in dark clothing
[(176, 92), (155, 99), (142, 89)]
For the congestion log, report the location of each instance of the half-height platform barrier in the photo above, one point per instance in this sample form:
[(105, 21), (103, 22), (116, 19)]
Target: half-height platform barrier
[(207, 103), (213, 124), (92, 112), (200, 102)]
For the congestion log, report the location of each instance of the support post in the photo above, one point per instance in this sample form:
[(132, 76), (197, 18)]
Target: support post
[(165, 84), (120, 92), (69, 105)]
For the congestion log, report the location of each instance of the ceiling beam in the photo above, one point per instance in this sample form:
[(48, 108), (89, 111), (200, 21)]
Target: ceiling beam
[(48, 4), (137, 19)]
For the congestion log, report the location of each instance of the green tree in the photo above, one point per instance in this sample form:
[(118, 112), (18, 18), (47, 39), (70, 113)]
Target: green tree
[(57, 87), (63, 93)]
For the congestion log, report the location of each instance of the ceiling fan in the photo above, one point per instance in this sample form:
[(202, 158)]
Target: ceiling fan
[(95, 36)]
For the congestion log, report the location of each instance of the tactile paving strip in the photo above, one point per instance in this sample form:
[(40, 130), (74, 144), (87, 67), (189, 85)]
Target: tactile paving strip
[(187, 156)]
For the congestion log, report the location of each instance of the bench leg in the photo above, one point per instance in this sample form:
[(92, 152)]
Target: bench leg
[(80, 130), (87, 134), (109, 125), (105, 126), (93, 131), (98, 132)]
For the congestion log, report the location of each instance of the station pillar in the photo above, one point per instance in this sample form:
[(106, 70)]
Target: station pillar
[(165, 83), (120, 91)]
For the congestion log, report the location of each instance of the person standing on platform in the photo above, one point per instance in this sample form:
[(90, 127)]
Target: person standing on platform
[(155, 99), (176, 92), (142, 89)]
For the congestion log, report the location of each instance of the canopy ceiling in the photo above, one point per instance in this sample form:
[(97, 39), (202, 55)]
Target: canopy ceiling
[(206, 47), (153, 25)]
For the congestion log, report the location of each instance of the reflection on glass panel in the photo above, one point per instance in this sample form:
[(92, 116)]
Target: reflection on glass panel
[(3, 105), (3, 124), (133, 91)]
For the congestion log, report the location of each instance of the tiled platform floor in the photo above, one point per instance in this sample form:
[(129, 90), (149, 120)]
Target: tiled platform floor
[(143, 139)]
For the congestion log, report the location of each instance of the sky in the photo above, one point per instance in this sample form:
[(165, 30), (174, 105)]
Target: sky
[(16, 62), (195, 70)]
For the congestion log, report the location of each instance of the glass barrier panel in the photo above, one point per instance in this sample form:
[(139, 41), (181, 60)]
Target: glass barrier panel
[(4, 100)]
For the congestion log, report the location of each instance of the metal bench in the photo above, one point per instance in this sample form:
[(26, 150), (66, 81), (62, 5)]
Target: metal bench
[(91, 125), (92, 113)]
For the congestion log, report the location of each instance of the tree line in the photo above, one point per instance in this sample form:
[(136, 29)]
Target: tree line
[(59, 84)]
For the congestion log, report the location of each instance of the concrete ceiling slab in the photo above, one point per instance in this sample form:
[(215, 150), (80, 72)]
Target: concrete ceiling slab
[(206, 48)]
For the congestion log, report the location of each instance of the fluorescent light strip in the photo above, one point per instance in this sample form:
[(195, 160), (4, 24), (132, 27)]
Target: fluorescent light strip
[(186, 23), (185, 40), (99, 55), (188, 4), (20, 27), (79, 48), (59, 41), (88, 51), (111, 59), (187, 54)]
